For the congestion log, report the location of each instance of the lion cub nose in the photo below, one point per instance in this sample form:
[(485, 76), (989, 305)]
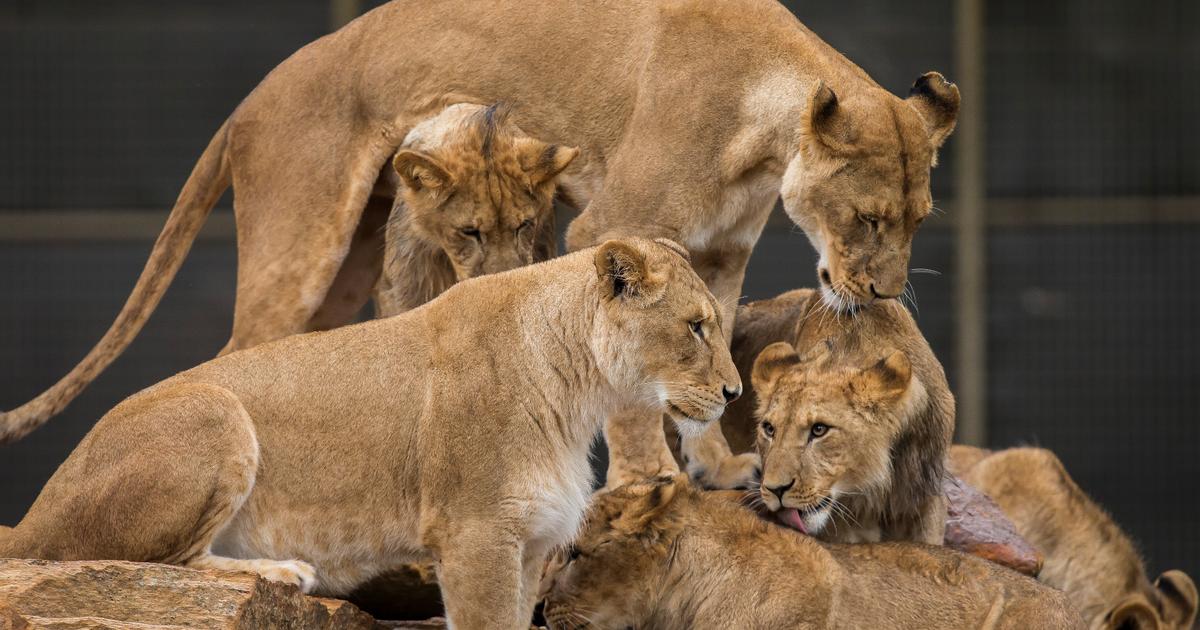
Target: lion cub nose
[(731, 394), (779, 490)]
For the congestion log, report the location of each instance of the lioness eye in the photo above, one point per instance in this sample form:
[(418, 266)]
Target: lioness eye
[(697, 327), (871, 221), (470, 232), (768, 429), (818, 430), (527, 223)]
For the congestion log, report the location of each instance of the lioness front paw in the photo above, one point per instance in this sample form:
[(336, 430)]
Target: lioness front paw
[(297, 572), (733, 472)]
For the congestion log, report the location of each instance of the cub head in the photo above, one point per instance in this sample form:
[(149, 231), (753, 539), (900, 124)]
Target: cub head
[(481, 190), (660, 332), (605, 579), (859, 184), (1169, 605), (826, 432)]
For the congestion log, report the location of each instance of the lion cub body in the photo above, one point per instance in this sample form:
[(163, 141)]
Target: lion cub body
[(457, 432), (663, 555), (1087, 554), (872, 381)]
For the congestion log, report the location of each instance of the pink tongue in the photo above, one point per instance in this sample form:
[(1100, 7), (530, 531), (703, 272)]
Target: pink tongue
[(791, 518)]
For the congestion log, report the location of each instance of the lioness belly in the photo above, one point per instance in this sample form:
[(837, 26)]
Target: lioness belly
[(346, 546)]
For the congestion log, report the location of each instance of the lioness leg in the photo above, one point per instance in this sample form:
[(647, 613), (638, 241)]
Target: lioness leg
[(355, 280), (301, 184), (480, 575), (295, 572)]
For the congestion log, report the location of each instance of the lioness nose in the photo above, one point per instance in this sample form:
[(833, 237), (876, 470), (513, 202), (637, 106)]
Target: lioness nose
[(883, 296), (779, 490), (731, 393)]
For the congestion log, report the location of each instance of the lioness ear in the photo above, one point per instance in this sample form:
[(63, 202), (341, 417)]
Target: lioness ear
[(543, 162), (420, 172), (1133, 613), (774, 360), (642, 510), (887, 380), (936, 100), (1178, 597), (827, 121), (623, 269)]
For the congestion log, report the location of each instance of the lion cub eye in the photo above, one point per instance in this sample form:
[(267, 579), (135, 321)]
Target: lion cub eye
[(768, 429), (818, 430), (869, 220), (697, 327), (573, 553), (526, 224), (470, 232)]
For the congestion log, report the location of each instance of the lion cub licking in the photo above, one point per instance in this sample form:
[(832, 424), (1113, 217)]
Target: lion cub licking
[(853, 417), (660, 554), (457, 432), (1087, 554), (476, 197)]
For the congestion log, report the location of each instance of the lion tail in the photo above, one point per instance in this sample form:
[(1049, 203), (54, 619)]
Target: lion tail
[(203, 188)]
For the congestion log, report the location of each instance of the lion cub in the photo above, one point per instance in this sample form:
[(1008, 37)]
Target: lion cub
[(660, 554), (1087, 554), (457, 432), (851, 414), (476, 196)]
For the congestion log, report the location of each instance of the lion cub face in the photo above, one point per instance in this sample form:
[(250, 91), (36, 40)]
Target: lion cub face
[(825, 431), (660, 332), (859, 185), (484, 194), (604, 580)]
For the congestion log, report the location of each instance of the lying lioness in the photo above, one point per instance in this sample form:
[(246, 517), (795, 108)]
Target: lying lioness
[(662, 555), (458, 431), (1087, 554)]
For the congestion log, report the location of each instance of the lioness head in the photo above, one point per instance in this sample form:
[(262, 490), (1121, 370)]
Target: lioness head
[(659, 331), (826, 431), (483, 193), (605, 579), (859, 185)]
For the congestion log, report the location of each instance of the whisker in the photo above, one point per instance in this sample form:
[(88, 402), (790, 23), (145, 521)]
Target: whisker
[(932, 272)]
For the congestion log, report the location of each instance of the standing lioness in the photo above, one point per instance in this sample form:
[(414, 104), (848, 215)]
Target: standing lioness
[(457, 432)]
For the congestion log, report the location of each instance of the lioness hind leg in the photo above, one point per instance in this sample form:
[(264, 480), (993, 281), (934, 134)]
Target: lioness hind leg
[(481, 576), (297, 572)]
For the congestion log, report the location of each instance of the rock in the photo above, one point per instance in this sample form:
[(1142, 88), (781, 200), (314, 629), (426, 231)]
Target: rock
[(976, 525), (43, 595)]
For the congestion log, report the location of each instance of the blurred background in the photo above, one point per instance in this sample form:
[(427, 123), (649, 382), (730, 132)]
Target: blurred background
[(1065, 306)]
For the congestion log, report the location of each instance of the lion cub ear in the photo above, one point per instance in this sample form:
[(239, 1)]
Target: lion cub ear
[(624, 270), (543, 162), (1178, 598), (774, 361), (640, 513), (420, 172), (1134, 612), (936, 100), (887, 380)]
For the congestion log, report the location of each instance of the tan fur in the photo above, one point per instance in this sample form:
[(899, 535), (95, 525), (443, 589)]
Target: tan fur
[(458, 432), (661, 555), (693, 118), (1087, 554), (479, 171), (870, 376)]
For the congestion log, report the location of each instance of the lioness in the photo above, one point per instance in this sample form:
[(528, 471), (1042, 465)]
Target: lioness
[(662, 555), (851, 414), (1087, 554), (458, 431), (693, 117)]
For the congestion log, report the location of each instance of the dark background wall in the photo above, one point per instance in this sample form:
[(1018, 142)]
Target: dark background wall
[(1092, 130)]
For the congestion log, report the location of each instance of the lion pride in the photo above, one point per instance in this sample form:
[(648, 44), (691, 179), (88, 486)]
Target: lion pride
[(693, 118)]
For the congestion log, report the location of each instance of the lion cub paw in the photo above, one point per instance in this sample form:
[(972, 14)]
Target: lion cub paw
[(297, 572), (734, 472)]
